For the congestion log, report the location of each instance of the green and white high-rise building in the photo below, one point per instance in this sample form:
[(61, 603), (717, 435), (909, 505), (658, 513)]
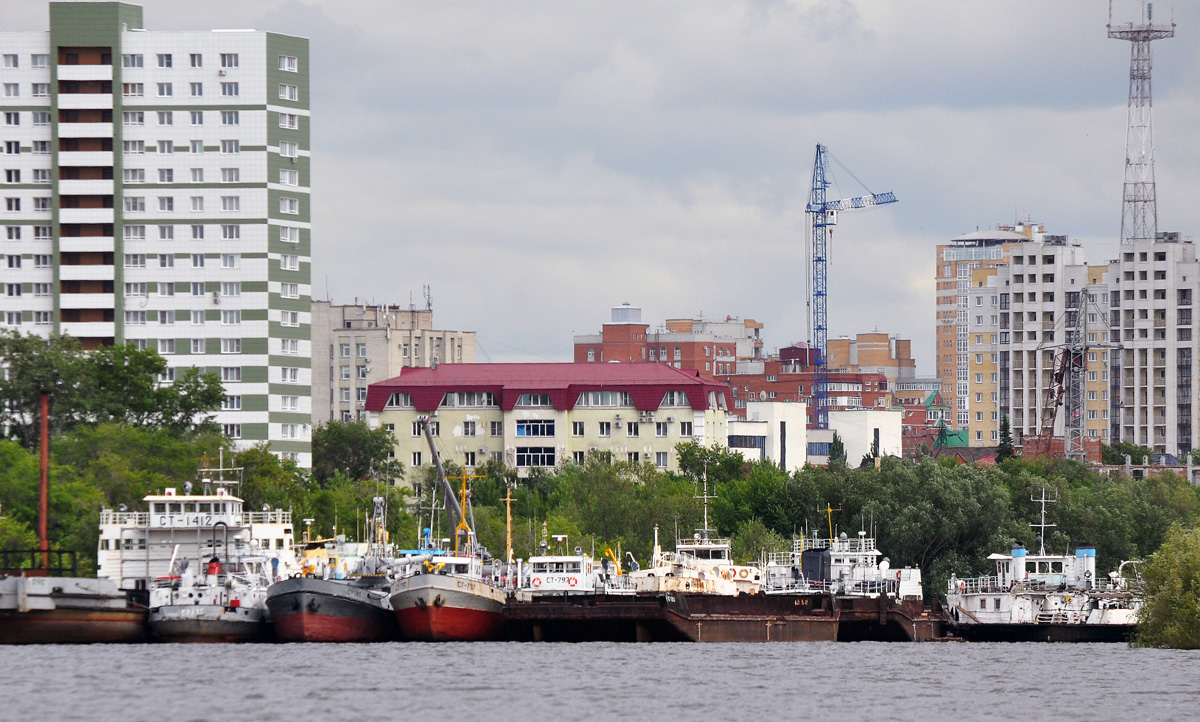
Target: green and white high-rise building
[(156, 191)]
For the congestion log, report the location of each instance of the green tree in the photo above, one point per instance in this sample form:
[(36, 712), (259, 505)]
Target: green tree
[(1170, 615), (1114, 453), (354, 450), (1005, 449), (33, 365), (837, 452)]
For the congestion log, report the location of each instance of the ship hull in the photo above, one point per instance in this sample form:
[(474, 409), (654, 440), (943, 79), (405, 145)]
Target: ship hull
[(446, 608), (209, 624), (753, 618), (319, 610), (1108, 633), (73, 626)]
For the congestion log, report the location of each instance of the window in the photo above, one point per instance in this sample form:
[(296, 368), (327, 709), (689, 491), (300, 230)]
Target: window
[(230, 117), (135, 289), (198, 316), (164, 61), (166, 175), (360, 350), (166, 117), (165, 90), (535, 456), (40, 61), (292, 318), (288, 149), (231, 403), (291, 346), (229, 90), (13, 233), (43, 318), (287, 63), (289, 234), (535, 427), (660, 459), (231, 345), (197, 345), (196, 60), (10, 61), (289, 290), (685, 428), (41, 204), (133, 118), (12, 318), (660, 429), (231, 373), (230, 147), (41, 90), (40, 233), (166, 288), (233, 431), (231, 232), (633, 428), (42, 289), (289, 262), (675, 398), (12, 147), (166, 147), (231, 288), (135, 318), (606, 428), (230, 260), (231, 203), (289, 177), (135, 260), (12, 176), (197, 233), (576, 428), (416, 458), (291, 375), (197, 260), (288, 92), (197, 91), (229, 60), (231, 318), (41, 147), (197, 203), (290, 403), (12, 118), (166, 204), (166, 346), (132, 90), (133, 147), (469, 428), (131, 61), (14, 261), (197, 175), (291, 121)]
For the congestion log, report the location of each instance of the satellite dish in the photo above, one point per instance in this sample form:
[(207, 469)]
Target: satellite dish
[(187, 487)]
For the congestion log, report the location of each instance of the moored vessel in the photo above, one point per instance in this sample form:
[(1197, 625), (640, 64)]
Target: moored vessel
[(66, 610)]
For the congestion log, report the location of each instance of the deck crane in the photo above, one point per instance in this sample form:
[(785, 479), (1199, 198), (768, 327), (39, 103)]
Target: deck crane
[(824, 216)]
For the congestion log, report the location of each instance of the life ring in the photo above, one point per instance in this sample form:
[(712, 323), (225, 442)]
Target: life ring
[(537, 581), (730, 573), (744, 573), (1087, 574), (572, 581), (962, 586), (897, 575)]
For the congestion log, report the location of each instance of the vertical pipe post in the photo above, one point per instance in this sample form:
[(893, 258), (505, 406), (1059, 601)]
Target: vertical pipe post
[(44, 479)]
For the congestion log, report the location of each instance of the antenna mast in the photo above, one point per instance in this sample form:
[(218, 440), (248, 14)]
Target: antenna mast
[(1139, 205)]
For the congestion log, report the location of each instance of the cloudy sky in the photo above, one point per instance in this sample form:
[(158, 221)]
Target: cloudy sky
[(536, 163)]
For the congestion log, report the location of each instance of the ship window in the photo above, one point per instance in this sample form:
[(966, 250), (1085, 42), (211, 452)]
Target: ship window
[(1056, 567), (718, 554), (983, 604), (174, 507), (160, 507), (996, 604), (574, 567), (190, 507), (205, 507)]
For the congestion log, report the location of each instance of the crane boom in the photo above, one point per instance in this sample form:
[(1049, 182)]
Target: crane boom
[(454, 512), (824, 215)]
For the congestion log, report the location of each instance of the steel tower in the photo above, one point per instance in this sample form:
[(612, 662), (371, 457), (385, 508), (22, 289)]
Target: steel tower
[(1139, 209)]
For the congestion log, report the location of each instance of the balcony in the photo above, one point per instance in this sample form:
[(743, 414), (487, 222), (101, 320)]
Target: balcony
[(68, 244), (85, 101), (85, 130), (85, 215), (102, 329), (68, 158), (85, 72), (86, 300), (85, 273), (85, 187)]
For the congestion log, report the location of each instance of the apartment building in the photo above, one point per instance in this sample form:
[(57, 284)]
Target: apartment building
[(1152, 290), (357, 345), (542, 415), (156, 192), (708, 346), (957, 261)]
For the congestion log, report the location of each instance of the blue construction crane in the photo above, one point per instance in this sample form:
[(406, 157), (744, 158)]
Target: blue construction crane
[(824, 214)]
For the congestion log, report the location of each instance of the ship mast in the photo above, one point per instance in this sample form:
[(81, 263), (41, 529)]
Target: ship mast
[(1043, 525)]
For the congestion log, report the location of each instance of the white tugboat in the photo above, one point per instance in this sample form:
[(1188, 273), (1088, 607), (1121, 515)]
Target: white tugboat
[(844, 566), (1044, 597), (213, 604)]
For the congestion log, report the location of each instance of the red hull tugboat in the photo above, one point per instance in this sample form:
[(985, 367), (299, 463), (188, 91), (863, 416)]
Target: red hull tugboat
[(331, 610)]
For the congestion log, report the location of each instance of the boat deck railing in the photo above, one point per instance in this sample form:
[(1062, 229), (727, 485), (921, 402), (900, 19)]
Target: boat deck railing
[(977, 585), (850, 587), (142, 518), (857, 544), (992, 585)]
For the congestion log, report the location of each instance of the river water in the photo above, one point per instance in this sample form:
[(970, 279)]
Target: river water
[(511, 681)]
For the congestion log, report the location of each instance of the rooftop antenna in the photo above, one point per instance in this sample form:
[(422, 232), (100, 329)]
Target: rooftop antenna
[(1041, 538), (704, 497), (428, 298)]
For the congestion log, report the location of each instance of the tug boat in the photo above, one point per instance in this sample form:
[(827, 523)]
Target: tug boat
[(215, 605), (67, 610), (1045, 597)]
